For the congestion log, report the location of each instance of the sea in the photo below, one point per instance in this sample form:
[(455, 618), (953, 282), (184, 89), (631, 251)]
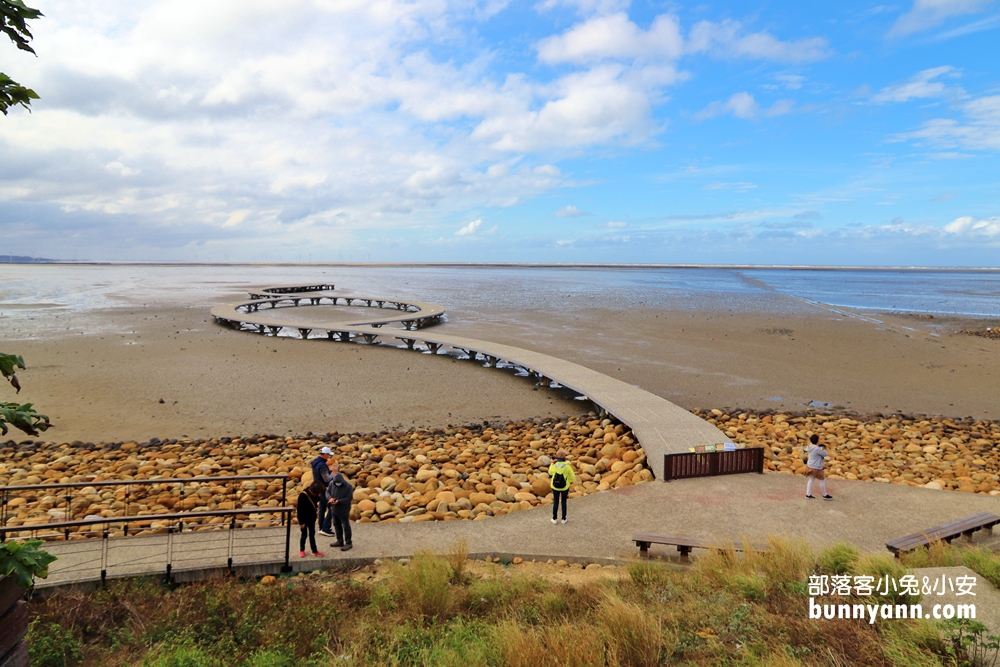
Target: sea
[(33, 296)]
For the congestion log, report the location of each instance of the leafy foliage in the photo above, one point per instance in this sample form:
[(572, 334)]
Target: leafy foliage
[(14, 17), (11, 362), (24, 561), (969, 645), (23, 417), (49, 645), (20, 416)]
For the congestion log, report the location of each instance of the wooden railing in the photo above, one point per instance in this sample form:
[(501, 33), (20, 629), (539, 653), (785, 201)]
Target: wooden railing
[(706, 464)]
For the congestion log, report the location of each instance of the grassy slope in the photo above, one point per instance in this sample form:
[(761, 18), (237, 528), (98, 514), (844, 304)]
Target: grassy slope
[(728, 609)]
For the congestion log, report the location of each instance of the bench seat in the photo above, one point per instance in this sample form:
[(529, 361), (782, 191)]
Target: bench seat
[(946, 532), (684, 544)]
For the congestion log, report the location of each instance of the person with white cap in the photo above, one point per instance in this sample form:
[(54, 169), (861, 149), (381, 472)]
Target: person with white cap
[(322, 474)]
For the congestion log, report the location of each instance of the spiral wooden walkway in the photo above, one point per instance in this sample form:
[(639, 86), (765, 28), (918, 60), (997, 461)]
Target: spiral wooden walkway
[(660, 426)]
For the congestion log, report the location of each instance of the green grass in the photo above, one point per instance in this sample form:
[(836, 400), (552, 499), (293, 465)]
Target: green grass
[(730, 608)]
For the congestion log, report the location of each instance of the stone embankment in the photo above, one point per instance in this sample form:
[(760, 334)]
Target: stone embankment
[(420, 475), (933, 452)]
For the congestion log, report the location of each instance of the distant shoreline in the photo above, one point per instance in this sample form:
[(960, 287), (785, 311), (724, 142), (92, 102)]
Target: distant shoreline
[(515, 265)]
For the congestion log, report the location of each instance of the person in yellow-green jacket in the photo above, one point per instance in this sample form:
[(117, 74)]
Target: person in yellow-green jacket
[(561, 476)]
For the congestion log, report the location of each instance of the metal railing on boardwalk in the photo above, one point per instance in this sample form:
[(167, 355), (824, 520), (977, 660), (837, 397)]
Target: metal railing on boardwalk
[(134, 543)]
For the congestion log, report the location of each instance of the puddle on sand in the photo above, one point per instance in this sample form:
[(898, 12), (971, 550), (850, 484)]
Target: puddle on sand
[(819, 404)]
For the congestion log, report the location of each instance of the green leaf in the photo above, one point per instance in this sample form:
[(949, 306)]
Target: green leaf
[(22, 417), (14, 15), (24, 561), (10, 362), (12, 94)]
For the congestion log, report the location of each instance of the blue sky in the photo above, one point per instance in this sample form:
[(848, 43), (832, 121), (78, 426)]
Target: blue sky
[(551, 131)]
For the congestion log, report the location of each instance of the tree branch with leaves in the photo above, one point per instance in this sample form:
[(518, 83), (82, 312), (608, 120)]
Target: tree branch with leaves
[(14, 17), (20, 416)]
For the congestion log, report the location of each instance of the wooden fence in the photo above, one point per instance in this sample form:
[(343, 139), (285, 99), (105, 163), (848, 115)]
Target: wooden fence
[(706, 464)]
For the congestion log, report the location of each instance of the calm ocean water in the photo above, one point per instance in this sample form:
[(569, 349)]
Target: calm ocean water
[(31, 293)]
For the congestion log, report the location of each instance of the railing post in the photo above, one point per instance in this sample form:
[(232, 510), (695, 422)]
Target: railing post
[(170, 550), (104, 556), (288, 538), (284, 488)]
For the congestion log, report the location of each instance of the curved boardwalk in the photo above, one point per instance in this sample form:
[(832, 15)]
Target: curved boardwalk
[(660, 426)]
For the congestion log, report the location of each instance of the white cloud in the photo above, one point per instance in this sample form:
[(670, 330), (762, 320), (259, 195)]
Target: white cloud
[(470, 228), (727, 39), (922, 85), (974, 227), (571, 212), (614, 224), (588, 7), (791, 81), (260, 128), (743, 105), (236, 218), (930, 13), (614, 37), (970, 28), (978, 130), (592, 107), (740, 186)]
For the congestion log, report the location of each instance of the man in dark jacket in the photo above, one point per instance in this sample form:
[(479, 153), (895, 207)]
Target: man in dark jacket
[(307, 504), (321, 474), (339, 494)]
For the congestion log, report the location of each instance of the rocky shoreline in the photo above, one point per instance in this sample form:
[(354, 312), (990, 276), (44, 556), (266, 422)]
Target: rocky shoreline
[(961, 454), (470, 472), (465, 473)]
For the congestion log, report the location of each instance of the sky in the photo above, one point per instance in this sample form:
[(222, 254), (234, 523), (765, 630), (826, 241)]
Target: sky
[(609, 131)]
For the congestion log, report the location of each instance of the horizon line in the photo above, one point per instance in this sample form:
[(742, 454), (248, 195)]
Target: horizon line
[(541, 265)]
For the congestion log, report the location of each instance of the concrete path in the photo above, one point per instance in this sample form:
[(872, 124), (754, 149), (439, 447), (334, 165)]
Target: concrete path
[(660, 426), (863, 514)]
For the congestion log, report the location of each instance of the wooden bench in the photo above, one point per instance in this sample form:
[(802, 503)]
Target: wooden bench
[(684, 544), (946, 532)]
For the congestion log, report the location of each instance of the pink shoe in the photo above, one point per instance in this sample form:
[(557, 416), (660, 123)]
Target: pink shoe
[(302, 554), (318, 554)]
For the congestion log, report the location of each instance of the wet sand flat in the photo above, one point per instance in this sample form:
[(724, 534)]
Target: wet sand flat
[(103, 378)]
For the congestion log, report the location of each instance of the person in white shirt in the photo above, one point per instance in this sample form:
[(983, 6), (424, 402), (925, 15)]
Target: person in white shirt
[(816, 454)]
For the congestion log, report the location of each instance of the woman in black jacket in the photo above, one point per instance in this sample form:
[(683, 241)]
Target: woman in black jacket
[(307, 512)]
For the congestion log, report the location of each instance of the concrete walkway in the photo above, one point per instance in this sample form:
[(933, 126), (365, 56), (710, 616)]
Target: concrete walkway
[(863, 514), (660, 426)]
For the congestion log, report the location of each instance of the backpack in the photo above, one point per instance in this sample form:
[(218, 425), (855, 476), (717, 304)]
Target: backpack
[(317, 465), (558, 480)]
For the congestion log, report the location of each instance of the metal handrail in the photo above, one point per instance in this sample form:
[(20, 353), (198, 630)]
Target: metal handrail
[(135, 518), (165, 480), (171, 530), (7, 491)]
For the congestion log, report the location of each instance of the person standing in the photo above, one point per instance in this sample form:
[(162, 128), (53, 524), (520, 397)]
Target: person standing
[(321, 474), (561, 476), (816, 454), (307, 511), (339, 494)]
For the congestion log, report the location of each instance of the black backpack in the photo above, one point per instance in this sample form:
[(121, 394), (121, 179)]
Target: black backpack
[(558, 481)]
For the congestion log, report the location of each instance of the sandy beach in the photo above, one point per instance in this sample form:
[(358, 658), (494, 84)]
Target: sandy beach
[(102, 378)]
